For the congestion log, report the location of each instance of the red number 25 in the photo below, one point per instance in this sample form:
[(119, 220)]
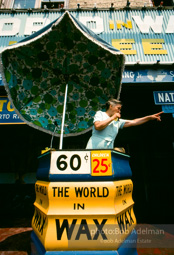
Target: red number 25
[(95, 170)]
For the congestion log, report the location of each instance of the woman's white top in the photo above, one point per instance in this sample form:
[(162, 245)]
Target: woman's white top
[(104, 139)]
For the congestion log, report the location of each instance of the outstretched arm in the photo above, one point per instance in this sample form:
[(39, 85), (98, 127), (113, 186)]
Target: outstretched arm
[(139, 121), (100, 125)]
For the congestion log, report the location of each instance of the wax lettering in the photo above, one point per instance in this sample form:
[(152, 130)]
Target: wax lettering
[(83, 229), (39, 221), (65, 225), (100, 229), (124, 221)]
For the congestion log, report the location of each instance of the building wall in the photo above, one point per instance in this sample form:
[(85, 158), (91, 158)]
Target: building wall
[(8, 4), (5, 4), (107, 3)]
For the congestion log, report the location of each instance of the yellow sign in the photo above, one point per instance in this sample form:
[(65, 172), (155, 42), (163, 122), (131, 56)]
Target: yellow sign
[(111, 24), (153, 46), (56, 198), (101, 163), (120, 23), (7, 113), (124, 45), (150, 46), (83, 232)]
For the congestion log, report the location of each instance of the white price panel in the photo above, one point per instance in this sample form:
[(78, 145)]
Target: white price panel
[(70, 162)]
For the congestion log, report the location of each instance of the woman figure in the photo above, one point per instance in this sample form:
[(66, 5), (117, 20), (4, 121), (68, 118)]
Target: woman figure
[(107, 125)]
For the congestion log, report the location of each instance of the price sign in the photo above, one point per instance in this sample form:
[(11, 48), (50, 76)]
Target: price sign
[(101, 163), (70, 162)]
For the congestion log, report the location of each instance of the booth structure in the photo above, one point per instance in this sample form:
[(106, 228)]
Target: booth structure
[(84, 204)]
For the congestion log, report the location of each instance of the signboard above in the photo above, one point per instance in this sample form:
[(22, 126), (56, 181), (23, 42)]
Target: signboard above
[(164, 97), (7, 113), (148, 76), (143, 36), (142, 76)]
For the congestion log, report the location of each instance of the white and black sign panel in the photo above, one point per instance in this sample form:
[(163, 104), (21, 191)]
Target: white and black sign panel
[(70, 162)]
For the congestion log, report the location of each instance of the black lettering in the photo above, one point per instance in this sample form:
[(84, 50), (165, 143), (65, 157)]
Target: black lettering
[(43, 224), (85, 192), (131, 220), (123, 220), (83, 230), (36, 187), (107, 192), (121, 223), (72, 162), (36, 215), (127, 188), (126, 220), (61, 164), (93, 190), (60, 191), (78, 191), (118, 190), (98, 192), (77, 206), (66, 191), (80, 206), (39, 221), (99, 229), (41, 189), (65, 225), (54, 193)]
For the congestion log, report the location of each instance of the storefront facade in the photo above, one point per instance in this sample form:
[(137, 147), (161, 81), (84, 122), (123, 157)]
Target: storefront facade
[(146, 38)]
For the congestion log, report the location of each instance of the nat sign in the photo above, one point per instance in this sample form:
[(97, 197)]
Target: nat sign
[(163, 97)]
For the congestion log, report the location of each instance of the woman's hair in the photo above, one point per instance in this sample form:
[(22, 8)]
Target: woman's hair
[(112, 102)]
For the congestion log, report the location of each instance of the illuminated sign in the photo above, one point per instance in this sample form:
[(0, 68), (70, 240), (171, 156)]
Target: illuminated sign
[(7, 113)]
